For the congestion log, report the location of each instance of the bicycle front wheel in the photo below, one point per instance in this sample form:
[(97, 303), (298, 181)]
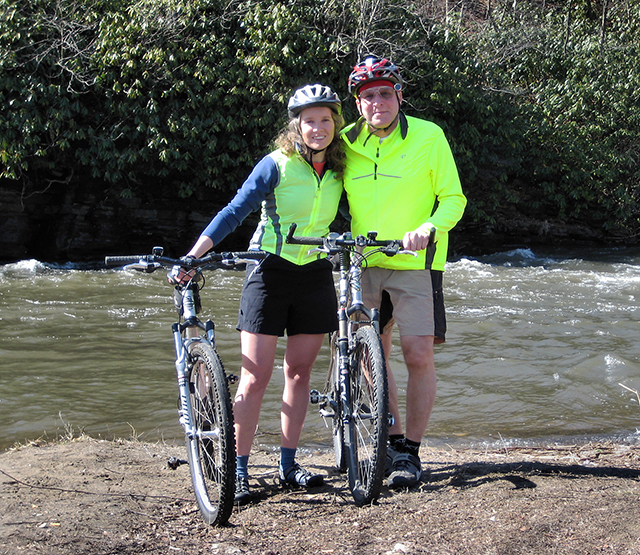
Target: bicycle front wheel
[(367, 417), (211, 448)]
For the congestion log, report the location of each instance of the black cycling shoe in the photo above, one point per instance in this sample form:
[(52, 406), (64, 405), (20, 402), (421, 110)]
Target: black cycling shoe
[(243, 495), (406, 471), (391, 453), (297, 476)]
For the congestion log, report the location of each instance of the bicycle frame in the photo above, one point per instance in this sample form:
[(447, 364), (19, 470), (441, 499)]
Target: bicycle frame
[(349, 288)]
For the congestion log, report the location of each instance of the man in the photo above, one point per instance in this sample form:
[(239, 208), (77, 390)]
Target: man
[(401, 181)]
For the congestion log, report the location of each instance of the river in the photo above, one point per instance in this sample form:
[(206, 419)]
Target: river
[(542, 347)]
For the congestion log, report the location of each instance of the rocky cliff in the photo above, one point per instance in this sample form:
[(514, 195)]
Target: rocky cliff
[(75, 222), (69, 222)]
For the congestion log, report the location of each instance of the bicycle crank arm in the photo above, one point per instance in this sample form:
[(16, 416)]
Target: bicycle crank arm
[(327, 412)]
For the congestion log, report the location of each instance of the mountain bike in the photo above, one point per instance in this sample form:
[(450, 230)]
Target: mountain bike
[(204, 402), (356, 396)]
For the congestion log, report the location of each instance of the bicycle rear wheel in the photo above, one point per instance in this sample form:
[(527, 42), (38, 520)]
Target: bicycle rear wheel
[(367, 431), (332, 391), (211, 450)]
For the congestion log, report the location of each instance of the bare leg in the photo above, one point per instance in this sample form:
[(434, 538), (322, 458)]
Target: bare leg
[(421, 386), (300, 355), (258, 356)]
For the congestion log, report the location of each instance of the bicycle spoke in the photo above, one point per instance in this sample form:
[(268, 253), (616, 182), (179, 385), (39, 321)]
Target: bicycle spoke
[(332, 392), (368, 426), (211, 449)]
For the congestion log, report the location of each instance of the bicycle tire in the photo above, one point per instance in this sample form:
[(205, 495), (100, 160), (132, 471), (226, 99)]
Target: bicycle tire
[(211, 456), (332, 391), (368, 425)]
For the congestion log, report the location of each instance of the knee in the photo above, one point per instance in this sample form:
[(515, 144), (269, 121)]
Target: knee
[(253, 384), (418, 354), (298, 377)]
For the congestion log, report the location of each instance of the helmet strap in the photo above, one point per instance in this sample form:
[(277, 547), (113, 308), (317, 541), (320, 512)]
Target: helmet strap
[(310, 150), (383, 129)]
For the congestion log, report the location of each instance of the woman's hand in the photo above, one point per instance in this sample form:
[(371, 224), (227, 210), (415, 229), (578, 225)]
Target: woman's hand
[(181, 274)]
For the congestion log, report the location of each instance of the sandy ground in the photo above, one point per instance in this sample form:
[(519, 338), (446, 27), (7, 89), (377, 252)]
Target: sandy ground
[(89, 496)]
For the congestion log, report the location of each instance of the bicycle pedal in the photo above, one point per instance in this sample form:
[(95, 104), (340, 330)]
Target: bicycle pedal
[(175, 462), (232, 378), (315, 397)]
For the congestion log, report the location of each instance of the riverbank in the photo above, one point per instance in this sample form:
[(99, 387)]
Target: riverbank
[(89, 496)]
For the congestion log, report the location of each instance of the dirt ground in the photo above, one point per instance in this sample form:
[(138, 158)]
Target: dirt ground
[(90, 496)]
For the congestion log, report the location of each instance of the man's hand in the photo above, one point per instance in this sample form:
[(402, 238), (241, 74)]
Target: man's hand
[(415, 240)]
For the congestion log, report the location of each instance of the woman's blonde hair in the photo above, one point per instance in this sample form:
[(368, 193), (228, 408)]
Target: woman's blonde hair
[(290, 142)]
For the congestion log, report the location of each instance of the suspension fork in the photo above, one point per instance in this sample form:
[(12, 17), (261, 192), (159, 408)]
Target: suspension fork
[(181, 363), (190, 328), (343, 365)]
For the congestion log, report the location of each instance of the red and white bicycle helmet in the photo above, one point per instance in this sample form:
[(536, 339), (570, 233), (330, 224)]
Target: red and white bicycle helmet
[(314, 95), (372, 69)]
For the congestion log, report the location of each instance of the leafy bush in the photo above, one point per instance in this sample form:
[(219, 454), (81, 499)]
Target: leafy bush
[(541, 110), (189, 93), (576, 90)]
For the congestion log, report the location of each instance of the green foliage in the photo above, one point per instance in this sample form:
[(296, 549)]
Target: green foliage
[(577, 91), (189, 93), (540, 108)]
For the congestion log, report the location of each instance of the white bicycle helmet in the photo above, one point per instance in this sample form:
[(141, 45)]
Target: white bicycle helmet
[(314, 95)]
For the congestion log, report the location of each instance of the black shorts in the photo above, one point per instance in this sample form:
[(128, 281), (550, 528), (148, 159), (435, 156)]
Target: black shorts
[(280, 296), (440, 320)]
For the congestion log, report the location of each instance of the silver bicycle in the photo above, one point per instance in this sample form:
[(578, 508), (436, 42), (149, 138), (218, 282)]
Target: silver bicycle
[(356, 397), (204, 405)]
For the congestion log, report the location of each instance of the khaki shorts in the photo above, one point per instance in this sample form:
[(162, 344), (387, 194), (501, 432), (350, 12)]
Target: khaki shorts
[(411, 295)]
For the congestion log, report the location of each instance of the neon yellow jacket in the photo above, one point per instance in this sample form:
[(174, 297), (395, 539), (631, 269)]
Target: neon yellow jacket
[(286, 190), (407, 181), (300, 197)]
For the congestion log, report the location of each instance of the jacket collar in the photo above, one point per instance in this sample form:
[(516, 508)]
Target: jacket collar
[(353, 133)]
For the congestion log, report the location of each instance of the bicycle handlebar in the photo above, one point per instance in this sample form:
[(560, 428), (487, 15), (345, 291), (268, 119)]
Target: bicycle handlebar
[(334, 242), (344, 240), (151, 262)]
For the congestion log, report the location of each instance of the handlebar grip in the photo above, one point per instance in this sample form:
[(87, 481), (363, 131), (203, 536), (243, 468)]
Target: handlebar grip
[(255, 255), (122, 260), (306, 241), (291, 240)]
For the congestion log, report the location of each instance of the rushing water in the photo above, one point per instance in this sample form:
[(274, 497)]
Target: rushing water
[(541, 347)]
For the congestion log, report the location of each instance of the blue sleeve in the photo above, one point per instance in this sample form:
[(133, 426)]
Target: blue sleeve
[(261, 182)]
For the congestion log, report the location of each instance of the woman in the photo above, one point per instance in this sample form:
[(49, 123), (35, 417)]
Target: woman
[(290, 290)]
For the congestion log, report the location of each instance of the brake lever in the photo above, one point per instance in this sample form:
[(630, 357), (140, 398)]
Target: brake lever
[(146, 267), (235, 261), (324, 250), (393, 251)]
